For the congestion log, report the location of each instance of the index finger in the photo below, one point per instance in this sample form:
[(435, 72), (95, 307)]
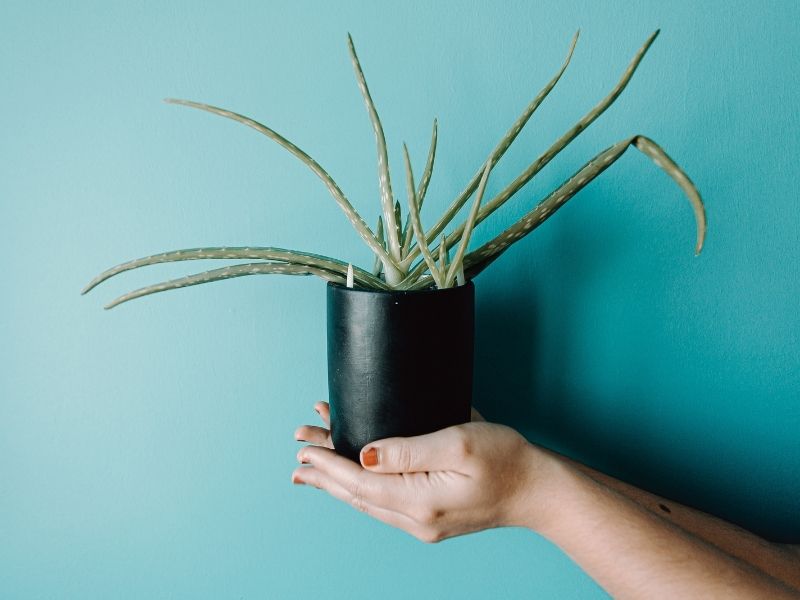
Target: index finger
[(387, 491)]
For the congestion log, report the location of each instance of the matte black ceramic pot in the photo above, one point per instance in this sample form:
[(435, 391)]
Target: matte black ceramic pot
[(399, 363)]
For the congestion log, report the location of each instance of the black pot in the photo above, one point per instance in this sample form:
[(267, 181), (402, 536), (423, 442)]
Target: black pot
[(399, 363)]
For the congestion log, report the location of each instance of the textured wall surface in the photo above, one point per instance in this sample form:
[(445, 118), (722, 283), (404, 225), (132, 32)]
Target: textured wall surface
[(145, 452)]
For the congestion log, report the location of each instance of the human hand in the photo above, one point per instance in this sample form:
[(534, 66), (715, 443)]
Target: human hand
[(455, 481)]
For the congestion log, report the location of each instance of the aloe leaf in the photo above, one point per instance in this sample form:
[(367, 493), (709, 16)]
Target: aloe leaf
[(478, 260), (422, 283), (551, 152), (398, 220), (419, 232), (456, 265), (352, 214), (384, 179), (649, 148), (497, 154), (443, 254), (378, 266), (228, 273), (565, 139), (422, 190), (240, 253)]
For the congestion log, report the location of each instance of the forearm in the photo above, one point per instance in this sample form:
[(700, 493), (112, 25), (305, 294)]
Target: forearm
[(778, 560), (633, 553)]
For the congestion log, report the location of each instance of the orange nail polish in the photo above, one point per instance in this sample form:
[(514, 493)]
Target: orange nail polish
[(370, 457)]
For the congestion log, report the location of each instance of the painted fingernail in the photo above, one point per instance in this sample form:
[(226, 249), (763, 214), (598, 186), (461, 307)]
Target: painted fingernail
[(370, 457)]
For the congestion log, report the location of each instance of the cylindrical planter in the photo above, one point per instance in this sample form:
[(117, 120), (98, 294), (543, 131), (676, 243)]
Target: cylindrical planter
[(399, 363)]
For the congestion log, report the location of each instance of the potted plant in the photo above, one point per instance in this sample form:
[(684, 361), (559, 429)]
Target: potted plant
[(384, 379)]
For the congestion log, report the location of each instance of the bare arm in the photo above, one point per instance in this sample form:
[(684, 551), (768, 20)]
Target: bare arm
[(481, 475), (632, 552), (781, 561)]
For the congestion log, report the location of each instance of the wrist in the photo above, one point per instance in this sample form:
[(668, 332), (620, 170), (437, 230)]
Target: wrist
[(544, 497)]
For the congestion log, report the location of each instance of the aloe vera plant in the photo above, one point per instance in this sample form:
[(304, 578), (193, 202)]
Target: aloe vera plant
[(405, 258)]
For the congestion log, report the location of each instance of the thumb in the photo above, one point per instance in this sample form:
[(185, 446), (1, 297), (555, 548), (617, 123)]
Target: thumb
[(437, 451)]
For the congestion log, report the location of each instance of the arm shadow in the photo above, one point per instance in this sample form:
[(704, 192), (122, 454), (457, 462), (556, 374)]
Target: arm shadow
[(523, 383)]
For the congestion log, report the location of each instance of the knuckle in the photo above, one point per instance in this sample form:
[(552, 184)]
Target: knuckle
[(427, 515), (463, 444), (312, 480), (355, 488), (431, 535), (404, 457)]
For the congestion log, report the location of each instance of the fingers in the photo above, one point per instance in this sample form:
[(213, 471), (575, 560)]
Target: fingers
[(319, 479), (361, 486), (312, 434), (388, 497), (324, 411), (319, 436), (443, 450)]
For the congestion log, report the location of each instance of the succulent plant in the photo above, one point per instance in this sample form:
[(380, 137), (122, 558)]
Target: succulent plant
[(405, 258)]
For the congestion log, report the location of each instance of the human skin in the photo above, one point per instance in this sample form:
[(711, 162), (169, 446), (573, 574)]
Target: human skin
[(482, 475)]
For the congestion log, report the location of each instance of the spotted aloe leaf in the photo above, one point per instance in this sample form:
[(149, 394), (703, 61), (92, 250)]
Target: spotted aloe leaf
[(413, 214), (384, 179), (240, 253), (456, 266), (478, 260), (424, 181), (511, 189), (378, 266), (496, 154), (397, 246), (443, 255), (565, 139), (261, 268), (355, 219)]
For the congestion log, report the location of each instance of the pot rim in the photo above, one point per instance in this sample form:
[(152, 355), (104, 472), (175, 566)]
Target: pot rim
[(362, 290)]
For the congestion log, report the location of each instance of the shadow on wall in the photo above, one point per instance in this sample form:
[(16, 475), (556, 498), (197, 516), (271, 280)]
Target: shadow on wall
[(521, 368)]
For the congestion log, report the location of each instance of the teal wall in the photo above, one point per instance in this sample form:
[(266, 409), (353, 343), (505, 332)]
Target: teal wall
[(146, 452)]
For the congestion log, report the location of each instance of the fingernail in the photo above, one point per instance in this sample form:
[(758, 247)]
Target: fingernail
[(370, 457), (297, 481), (302, 458)]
